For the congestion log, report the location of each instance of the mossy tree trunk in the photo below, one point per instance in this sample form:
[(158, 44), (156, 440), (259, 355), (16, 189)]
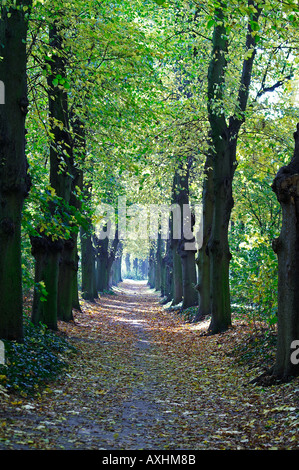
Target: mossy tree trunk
[(88, 265), (61, 179), (184, 248), (203, 259), (116, 266), (167, 292), (158, 264), (128, 263), (102, 255), (14, 178), (184, 267), (151, 266), (224, 137), (177, 276), (168, 268), (286, 246), (116, 271), (111, 257), (105, 256), (79, 150), (47, 254)]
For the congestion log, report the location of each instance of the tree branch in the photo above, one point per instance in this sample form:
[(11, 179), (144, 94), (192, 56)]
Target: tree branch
[(239, 116)]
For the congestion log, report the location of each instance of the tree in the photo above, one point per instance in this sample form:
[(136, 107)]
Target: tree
[(224, 136), (54, 255), (286, 246), (88, 259), (14, 177), (184, 247), (105, 257), (203, 259)]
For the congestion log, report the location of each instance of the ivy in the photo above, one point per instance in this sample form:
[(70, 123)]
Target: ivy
[(32, 364)]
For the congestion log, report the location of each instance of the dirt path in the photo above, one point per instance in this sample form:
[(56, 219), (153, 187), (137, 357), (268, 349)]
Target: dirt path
[(143, 379)]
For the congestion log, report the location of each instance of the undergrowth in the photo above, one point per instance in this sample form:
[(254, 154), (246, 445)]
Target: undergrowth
[(257, 350), (32, 364)]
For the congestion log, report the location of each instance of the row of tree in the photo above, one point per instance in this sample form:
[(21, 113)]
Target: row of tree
[(43, 59), (157, 102)]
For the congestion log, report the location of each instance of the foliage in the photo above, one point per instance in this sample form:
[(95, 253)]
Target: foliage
[(253, 275), (265, 146), (258, 350), (32, 364)]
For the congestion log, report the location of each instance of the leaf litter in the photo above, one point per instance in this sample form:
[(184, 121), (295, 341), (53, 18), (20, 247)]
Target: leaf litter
[(143, 378)]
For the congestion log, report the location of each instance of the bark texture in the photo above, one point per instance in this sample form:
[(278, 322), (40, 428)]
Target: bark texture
[(62, 174), (224, 137), (286, 246), (184, 245), (14, 177), (203, 259), (88, 267), (47, 256)]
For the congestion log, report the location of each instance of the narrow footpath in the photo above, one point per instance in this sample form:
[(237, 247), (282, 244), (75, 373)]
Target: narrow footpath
[(142, 378)]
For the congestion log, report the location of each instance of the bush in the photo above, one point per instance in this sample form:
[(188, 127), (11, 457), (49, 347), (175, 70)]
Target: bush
[(36, 361), (253, 277)]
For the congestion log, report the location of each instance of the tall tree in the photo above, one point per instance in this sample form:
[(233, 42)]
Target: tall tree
[(224, 136), (177, 274), (286, 246), (52, 253), (187, 266), (14, 178), (203, 259)]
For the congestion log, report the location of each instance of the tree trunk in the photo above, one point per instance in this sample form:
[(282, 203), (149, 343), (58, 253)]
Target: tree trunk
[(111, 258), (177, 276), (218, 246), (61, 179), (177, 281), (88, 271), (61, 168), (116, 266), (79, 152), (66, 279), (190, 295), (14, 179), (224, 136), (47, 255), (102, 255), (203, 259), (168, 273), (105, 259), (151, 267), (286, 188), (116, 269), (128, 263), (75, 287), (189, 277), (163, 277), (158, 264), (144, 268)]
